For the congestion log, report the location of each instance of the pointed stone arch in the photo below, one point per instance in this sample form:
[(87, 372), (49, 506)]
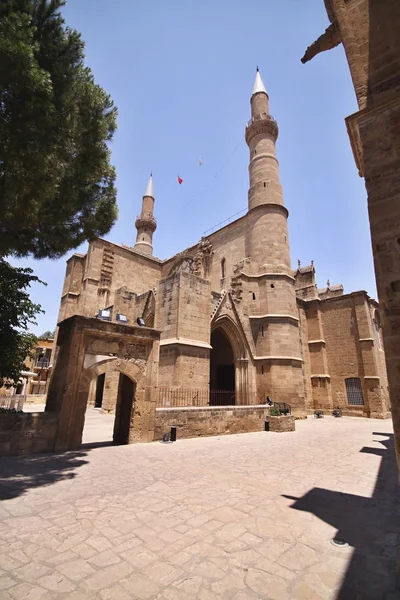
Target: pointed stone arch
[(131, 368), (234, 335)]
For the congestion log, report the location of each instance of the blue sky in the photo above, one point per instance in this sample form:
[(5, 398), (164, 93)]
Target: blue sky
[(181, 74)]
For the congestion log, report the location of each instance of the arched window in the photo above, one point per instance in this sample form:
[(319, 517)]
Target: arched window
[(354, 391), (223, 268)]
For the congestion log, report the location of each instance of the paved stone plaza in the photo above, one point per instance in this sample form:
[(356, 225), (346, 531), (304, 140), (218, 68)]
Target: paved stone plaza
[(238, 517)]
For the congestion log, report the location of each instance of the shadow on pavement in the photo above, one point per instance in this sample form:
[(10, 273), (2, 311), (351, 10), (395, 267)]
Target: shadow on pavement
[(93, 445), (20, 474), (370, 525)]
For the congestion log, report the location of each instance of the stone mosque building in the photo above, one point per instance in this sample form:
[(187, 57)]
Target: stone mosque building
[(237, 323)]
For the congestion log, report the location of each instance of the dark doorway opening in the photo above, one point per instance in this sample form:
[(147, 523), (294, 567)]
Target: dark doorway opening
[(123, 411), (99, 391), (222, 370)]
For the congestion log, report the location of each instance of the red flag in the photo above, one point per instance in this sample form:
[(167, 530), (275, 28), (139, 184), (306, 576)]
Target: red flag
[(180, 180)]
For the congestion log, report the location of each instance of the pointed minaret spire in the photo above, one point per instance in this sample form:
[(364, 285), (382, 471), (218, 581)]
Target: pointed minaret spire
[(268, 242), (149, 189), (259, 98), (145, 222), (258, 84)]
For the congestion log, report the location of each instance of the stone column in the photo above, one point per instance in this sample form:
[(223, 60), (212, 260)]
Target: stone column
[(92, 392), (110, 392), (242, 395)]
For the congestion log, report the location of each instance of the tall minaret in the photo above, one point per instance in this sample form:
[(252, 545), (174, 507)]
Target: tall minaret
[(268, 243), (145, 222)]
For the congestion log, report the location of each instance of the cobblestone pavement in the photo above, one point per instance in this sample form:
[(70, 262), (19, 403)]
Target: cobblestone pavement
[(240, 517)]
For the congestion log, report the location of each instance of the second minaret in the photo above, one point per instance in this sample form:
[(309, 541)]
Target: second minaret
[(146, 223)]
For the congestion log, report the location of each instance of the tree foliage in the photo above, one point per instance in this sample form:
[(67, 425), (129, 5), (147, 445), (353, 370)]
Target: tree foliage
[(56, 182), (17, 313), (47, 335)]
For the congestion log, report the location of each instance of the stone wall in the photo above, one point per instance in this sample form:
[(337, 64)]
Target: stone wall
[(27, 433), (183, 314), (201, 422), (343, 343), (369, 32)]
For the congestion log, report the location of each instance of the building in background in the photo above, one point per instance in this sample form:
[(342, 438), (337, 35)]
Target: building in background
[(40, 364), (35, 377)]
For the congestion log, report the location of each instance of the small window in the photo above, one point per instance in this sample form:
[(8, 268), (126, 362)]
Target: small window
[(265, 185), (354, 391), (272, 285), (223, 268), (262, 330), (254, 296), (262, 369)]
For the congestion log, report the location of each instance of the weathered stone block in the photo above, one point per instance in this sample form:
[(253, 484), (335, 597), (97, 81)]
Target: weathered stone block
[(281, 424)]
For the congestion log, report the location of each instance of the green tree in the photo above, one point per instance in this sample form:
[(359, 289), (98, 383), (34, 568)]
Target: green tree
[(17, 313), (56, 181)]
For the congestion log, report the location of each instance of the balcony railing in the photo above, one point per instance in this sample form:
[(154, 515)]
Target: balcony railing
[(15, 402), (261, 117), (147, 216), (42, 363)]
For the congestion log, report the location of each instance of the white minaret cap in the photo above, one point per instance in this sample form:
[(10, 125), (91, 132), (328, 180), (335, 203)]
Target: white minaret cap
[(258, 84), (149, 190)]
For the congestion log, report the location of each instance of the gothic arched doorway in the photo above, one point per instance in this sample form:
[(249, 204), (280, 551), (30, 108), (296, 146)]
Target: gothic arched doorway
[(222, 370)]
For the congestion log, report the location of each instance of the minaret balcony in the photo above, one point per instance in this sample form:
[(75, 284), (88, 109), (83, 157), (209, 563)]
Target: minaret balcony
[(146, 220), (262, 123)]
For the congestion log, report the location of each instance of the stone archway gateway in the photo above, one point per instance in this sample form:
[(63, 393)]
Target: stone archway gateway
[(89, 348)]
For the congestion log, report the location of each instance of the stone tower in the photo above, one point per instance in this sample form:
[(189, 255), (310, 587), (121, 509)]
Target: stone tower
[(145, 223), (269, 289), (268, 234)]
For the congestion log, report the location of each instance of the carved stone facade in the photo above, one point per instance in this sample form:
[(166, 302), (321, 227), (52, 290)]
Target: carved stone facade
[(236, 322)]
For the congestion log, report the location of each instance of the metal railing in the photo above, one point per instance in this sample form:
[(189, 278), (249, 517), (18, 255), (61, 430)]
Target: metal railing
[(169, 397), (261, 117), (15, 402), (226, 222), (222, 397), (42, 363), (180, 397), (283, 407), (146, 217)]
